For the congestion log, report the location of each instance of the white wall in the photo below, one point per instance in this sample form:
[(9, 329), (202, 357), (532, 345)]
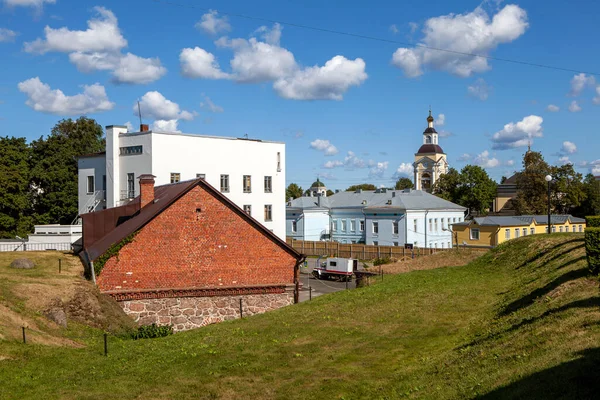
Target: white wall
[(430, 238), (315, 222), (91, 166)]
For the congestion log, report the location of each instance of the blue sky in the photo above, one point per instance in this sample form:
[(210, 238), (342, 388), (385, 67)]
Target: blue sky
[(350, 110)]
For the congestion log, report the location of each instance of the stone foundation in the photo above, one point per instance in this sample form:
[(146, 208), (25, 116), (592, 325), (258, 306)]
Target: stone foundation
[(194, 312)]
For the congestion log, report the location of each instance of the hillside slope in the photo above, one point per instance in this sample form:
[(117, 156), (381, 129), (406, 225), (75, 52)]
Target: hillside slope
[(521, 321)]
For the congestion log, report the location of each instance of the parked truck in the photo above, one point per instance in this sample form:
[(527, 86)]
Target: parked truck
[(337, 268)]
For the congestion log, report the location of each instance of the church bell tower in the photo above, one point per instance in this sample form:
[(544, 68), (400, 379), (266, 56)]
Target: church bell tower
[(430, 161)]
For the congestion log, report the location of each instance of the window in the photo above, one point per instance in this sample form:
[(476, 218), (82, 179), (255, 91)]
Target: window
[(225, 183), (454, 220), (130, 186), (333, 263), (104, 182), (435, 224), (395, 227), (474, 234), (507, 233), (449, 245), (532, 231), (247, 179), (567, 228), (415, 225), (362, 226), (248, 209), (517, 232), (580, 228), (203, 176), (334, 225), (560, 228), (375, 228), (375, 243), (352, 225), (268, 184), (175, 177), (343, 225), (395, 243), (294, 226), (130, 150), (278, 162), (435, 245), (553, 228), (430, 225), (268, 212), (90, 184), (524, 231)]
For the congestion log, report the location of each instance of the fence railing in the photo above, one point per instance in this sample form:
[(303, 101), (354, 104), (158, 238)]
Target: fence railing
[(27, 246)]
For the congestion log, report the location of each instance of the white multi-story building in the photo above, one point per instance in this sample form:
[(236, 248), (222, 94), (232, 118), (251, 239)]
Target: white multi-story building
[(249, 172)]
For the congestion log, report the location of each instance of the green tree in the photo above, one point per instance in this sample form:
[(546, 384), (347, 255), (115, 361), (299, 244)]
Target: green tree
[(477, 190), (54, 168), (567, 189), (404, 183), (532, 188), (330, 192), (447, 186), (14, 187), (293, 191), (591, 204), (363, 186)]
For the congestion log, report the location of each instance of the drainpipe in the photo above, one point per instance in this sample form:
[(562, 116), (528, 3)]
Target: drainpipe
[(297, 279), (426, 212), (91, 264)]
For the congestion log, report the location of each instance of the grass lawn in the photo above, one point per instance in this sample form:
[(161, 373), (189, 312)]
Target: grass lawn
[(522, 321)]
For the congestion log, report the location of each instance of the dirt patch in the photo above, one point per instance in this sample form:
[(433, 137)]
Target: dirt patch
[(442, 259)]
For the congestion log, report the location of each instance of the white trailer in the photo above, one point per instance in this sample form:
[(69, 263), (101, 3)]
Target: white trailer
[(336, 268)]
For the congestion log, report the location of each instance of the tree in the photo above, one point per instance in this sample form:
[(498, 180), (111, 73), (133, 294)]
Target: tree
[(477, 190), (567, 189), (14, 187), (293, 191), (591, 204), (330, 192), (532, 188), (54, 168), (447, 186), (404, 183), (363, 186)]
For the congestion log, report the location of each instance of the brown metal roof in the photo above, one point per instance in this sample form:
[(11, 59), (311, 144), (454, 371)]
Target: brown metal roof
[(430, 148), (164, 196)]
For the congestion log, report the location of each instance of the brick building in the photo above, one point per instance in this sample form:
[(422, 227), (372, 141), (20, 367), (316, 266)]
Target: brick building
[(184, 254)]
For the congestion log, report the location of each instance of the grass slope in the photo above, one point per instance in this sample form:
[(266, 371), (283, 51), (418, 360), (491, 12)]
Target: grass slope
[(521, 321)]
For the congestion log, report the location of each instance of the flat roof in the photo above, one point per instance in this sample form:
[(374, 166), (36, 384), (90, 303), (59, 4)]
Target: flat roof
[(199, 136)]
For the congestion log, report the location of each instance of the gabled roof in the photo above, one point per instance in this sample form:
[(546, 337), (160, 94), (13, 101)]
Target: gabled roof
[(520, 220), (164, 196)]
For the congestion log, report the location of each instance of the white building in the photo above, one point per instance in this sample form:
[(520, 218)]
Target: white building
[(249, 172), (430, 161)]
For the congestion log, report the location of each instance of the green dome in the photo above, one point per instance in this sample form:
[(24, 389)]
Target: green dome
[(318, 184)]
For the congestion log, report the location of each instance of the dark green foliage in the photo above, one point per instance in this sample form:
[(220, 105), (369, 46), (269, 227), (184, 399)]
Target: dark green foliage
[(382, 261), (152, 331), (592, 221), (591, 203), (330, 192), (15, 197), (532, 188), (592, 248), (293, 191), (471, 188), (447, 186), (112, 251), (363, 186), (404, 183), (567, 191)]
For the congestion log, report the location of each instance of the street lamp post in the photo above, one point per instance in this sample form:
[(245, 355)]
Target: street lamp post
[(549, 179)]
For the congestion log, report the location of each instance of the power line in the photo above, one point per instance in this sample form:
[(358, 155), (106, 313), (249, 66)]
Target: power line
[(378, 39)]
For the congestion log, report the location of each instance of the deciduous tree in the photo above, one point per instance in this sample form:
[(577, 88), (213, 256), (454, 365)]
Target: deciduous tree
[(532, 188), (363, 186), (293, 191), (477, 190), (15, 198), (404, 183), (447, 186)]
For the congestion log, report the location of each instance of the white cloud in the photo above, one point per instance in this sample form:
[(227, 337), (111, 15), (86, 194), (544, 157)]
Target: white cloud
[(212, 107), (441, 120), (6, 35), (596, 99), (352, 161), (212, 24), (472, 33), (129, 126), (553, 108), (580, 82), (484, 160), (479, 89), (594, 167), (464, 157), (333, 164), (378, 169), (568, 147), (165, 125), (42, 98), (564, 160), (28, 3), (413, 26), (394, 29), (325, 146), (518, 134), (574, 106), (510, 163), (329, 82), (155, 106), (404, 169), (125, 68), (199, 63)]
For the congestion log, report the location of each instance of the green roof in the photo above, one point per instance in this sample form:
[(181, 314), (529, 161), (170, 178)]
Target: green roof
[(317, 184)]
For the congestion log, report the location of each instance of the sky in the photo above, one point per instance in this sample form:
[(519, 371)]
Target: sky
[(349, 97)]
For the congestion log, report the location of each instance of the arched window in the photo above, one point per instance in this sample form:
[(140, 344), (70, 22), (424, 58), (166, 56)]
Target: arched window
[(428, 139), (425, 181)]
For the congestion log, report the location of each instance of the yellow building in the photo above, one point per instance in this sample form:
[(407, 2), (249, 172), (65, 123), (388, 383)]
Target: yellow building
[(494, 230)]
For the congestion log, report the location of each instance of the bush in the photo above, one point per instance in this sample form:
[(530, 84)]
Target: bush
[(592, 249), (593, 221), (152, 331), (382, 261)]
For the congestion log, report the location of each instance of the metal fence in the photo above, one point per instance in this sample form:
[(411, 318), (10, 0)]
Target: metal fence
[(26, 246)]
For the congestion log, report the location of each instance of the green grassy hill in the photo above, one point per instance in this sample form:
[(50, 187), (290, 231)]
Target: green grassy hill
[(522, 321)]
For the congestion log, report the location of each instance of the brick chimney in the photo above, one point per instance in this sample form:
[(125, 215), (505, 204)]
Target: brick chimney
[(143, 128), (146, 189)]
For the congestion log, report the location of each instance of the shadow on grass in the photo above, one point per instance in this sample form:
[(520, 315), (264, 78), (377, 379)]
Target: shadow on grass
[(552, 249), (569, 262), (530, 298), (577, 379)]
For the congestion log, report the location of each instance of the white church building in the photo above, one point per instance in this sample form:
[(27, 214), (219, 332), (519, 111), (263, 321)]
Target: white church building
[(249, 172), (430, 161)]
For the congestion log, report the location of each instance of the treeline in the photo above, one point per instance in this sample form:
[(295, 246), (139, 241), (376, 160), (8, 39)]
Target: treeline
[(38, 180)]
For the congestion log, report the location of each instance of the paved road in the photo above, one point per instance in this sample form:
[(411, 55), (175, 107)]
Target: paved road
[(319, 287)]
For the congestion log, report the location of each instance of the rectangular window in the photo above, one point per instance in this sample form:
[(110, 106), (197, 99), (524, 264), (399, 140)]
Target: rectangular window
[(474, 233), (553, 228), (352, 225), (395, 227), (415, 225), (203, 176), (454, 220), (104, 182), (560, 228), (430, 224), (580, 228), (294, 226), (517, 232), (248, 209), (532, 231), (334, 225), (507, 233), (130, 186), (524, 231), (175, 177), (268, 212), (435, 225), (278, 162), (343, 225), (395, 243), (130, 150), (268, 184), (225, 183), (90, 184), (362, 226), (449, 245), (375, 228), (247, 179), (567, 228)]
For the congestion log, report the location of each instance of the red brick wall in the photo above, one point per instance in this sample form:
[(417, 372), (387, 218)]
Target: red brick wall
[(183, 248)]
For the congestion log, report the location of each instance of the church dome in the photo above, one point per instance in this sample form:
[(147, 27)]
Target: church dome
[(317, 184), (430, 130), (430, 148)]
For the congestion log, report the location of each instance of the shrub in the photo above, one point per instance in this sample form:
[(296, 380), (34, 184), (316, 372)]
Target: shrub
[(152, 331), (592, 249), (593, 221), (382, 261)]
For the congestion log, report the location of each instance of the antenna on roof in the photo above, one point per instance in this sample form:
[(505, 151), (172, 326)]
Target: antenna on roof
[(246, 136), (140, 112)]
